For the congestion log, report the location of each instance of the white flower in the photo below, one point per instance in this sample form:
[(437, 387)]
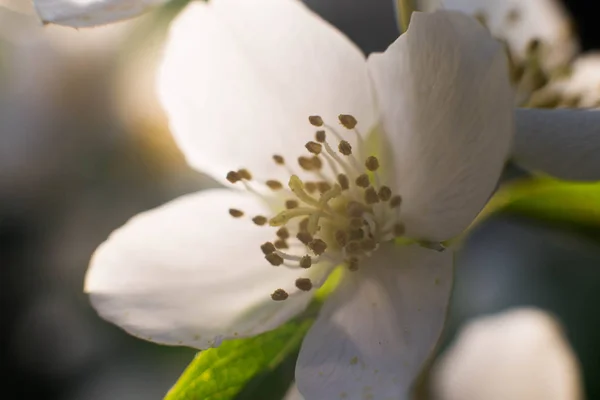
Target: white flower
[(520, 354), (246, 86), (565, 143), (81, 13)]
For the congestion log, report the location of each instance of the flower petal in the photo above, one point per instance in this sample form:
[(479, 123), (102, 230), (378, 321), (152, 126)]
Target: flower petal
[(519, 23), (563, 143), (81, 13), (518, 354), (189, 273), (240, 79), (376, 331), (447, 110)]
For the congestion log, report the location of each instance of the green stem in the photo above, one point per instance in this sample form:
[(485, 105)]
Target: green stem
[(404, 9)]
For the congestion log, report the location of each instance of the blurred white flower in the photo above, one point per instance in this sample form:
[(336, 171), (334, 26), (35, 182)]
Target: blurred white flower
[(242, 83), (520, 354), (82, 13)]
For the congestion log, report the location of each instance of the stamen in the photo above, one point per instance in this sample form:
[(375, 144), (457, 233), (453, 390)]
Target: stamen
[(303, 225), (355, 209), (245, 174), (283, 233), (385, 193), (362, 181), (315, 120), (274, 259), (235, 213), (352, 264), (343, 181), (233, 177), (320, 136), (306, 262), (348, 121), (310, 163), (289, 204), (345, 148), (279, 160), (314, 147), (267, 248), (304, 237), (395, 201), (279, 295), (318, 246), (311, 187), (323, 187), (304, 284), (372, 163), (371, 196), (353, 247), (259, 220), (341, 238), (274, 185), (281, 244)]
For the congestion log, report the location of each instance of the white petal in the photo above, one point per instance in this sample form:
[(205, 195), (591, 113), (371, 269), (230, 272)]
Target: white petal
[(189, 273), (447, 110), (375, 332), (519, 354), (563, 143), (520, 22), (81, 13), (240, 78)]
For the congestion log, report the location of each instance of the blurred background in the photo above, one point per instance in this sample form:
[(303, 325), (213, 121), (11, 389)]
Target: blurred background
[(84, 146)]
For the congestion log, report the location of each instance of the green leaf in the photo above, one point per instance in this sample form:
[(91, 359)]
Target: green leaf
[(221, 373)]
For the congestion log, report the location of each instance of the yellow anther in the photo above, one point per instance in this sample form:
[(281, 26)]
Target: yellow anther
[(245, 174), (320, 136), (363, 181), (289, 204), (318, 246), (281, 244), (234, 212), (348, 121), (372, 163), (343, 181), (395, 201), (278, 159), (306, 262), (259, 220), (267, 248), (345, 148), (304, 284), (279, 295), (315, 120), (371, 196), (385, 193), (314, 147), (283, 233), (274, 185), (274, 259), (233, 177)]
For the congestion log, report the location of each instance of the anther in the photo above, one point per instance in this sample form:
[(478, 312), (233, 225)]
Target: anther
[(385, 193), (304, 237), (306, 163), (353, 247), (372, 163), (283, 233), (356, 223), (343, 181), (355, 209), (267, 248), (278, 159), (310, 187), (362, 181), (371, 196), (306, 262), (281, 244), (279, 295), (314, 147), (303, 225), (259, 220), (352, 264), (399, 229), (315, 120), (274, 259), (235, 213), (304, 284), (348, 121), (395, 201), (320, 136), (318, 246), (233, 177), (289, 204), (323, 187), (245, 174), (274, 185), (345, 148), (341, 238)]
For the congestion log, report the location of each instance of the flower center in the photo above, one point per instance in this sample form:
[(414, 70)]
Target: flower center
[(341, 216)]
